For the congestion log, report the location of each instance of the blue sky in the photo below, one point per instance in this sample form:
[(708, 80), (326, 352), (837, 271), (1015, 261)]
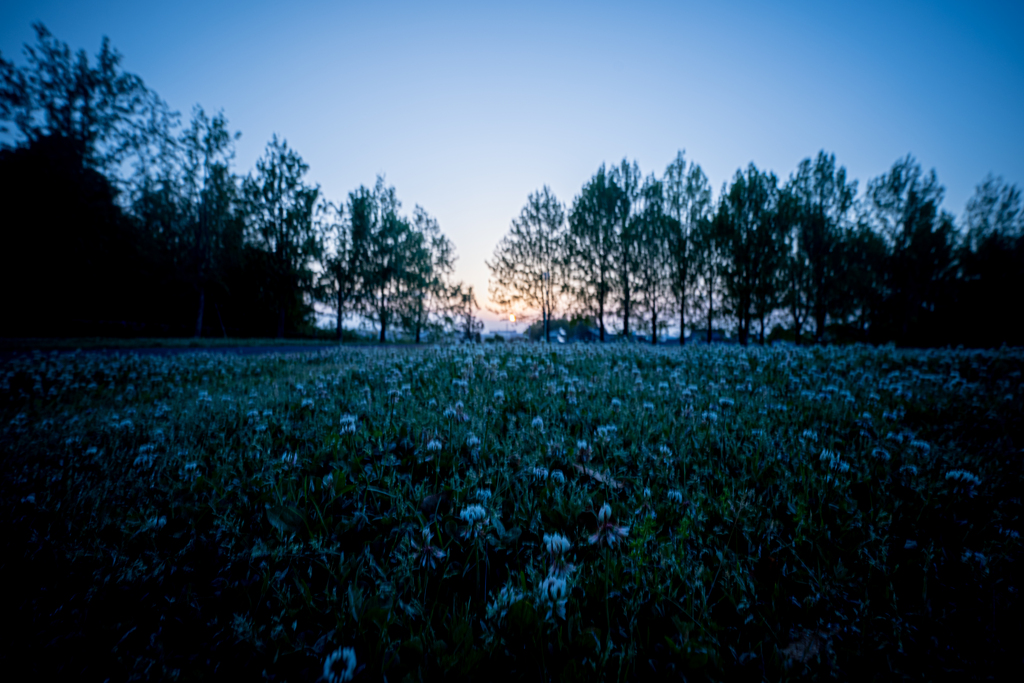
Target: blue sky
[(469, 107)]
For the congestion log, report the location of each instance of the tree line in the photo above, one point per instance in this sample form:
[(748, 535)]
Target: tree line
[(118, 218), (808, 258)]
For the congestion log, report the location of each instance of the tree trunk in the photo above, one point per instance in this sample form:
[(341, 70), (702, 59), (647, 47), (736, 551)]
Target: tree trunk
[(417, 332), (383, 327), (199, 316), (600, 318), (625, 311), (339, 311), (682, 316), (654, 329), (223, 330), (280, 322), (711, 308)]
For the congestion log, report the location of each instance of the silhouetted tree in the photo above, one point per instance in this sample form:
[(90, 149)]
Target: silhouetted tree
[(650, 228), (688, 202), (904, 207), (591, 247), (279, 224), (819, 215), (528, 266)]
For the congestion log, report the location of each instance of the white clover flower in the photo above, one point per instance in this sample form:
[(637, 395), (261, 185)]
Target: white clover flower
[(340, 665), (963, 477), (710, 416), (448, 413), (606, 432), (726, 402), (472, 441), (482, 494), (473, 514), (557, 477), (499, 396), (920, 445), (809, 434), (553, 592), (432, 403), (607, 530), (556, 544), (616, 405), (675, 497), (648, 406), (348, 424), (540, 473), (909, 469), (665, 450), (880, 454), (537, 423), (306, 403), (268, 413)]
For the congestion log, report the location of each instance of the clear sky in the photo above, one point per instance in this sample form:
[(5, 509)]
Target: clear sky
[(469, 107)]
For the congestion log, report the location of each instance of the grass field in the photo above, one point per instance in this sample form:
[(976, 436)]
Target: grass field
[(583, 513)]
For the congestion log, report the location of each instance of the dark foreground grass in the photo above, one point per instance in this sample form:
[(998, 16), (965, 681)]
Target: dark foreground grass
[(513, 513)]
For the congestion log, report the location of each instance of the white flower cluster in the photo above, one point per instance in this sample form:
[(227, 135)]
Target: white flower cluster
[(537, 423), (833, 460), (472, 514), (348, 424), (963, 477), (433, 445), (340, 665), (553, 591)]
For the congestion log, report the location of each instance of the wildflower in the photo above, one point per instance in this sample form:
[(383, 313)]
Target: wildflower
[(348, 424), (537, 423), (616, 405), (922, 446), (709, 416), (473, 514), (553, 591), (482, 495), (648, 406), (427, 554), (540, 473), (726, 402), (675, 497), (909, 469), (328, 480), (306, 403), (809, 434), (583, 450), (606, 528), (433, 445), (557, 477), (472, 441), (499, 396), (449, 413), (962, 479), (340, 665), (606, 432), (556, 544), (665, 450), (432, 403), (880, 454), (290, 459)]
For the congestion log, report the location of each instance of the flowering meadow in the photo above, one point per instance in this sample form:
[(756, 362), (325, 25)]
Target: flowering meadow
[(514, 512)]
